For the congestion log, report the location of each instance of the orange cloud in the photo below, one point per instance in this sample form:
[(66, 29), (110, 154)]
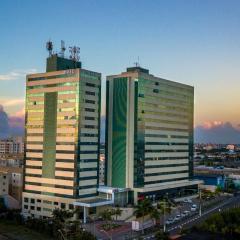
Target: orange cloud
[(209, 125), (20, 113)]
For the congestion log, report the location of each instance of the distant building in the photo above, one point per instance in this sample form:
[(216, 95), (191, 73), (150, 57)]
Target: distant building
[(11, 161), (14, 176), (16, 185), (4, 183), (208, 147), (14, 145), (230, 147)]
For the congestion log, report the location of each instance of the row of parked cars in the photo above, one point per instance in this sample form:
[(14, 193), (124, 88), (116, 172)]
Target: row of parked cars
[(184, 214)]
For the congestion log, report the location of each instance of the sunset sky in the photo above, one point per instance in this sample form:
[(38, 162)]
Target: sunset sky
[(196, 42)]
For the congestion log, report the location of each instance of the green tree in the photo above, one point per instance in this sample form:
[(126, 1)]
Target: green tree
[(218, 190), (84, 235), (107, 216), (117, 212), (225, 223), (2, 206), (165, 207), (155, 214), (161, 235), (59, 218), (143, 208), (61, 214)]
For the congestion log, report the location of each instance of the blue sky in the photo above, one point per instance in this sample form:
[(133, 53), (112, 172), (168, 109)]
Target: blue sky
[(196, 42)]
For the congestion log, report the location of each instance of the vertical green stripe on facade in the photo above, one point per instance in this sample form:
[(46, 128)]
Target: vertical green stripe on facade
[(106, 135), (49, 136), (119, 128), (139, 142)]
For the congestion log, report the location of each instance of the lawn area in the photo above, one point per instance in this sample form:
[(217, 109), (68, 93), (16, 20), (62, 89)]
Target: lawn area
[(20, 232)]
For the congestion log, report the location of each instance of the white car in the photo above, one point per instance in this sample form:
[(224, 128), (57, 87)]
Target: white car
[(178, 217), (169, 221), (187, 200), (186, 212), (194, 207), (183, 214)]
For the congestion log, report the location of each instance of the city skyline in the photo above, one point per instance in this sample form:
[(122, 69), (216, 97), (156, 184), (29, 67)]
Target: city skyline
[(119, 119), (194, 43)]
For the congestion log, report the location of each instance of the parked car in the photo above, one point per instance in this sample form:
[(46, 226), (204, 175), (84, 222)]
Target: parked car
[(169, 221)]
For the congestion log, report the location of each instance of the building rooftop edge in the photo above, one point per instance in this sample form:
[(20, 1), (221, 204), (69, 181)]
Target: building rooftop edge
[(144, 73), (54, 72)]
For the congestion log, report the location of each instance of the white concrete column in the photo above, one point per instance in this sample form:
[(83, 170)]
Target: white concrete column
[(75, 215), (135, 194), (113, 196)]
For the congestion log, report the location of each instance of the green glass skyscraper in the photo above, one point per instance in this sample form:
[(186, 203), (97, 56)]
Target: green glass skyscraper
[(149, 135)]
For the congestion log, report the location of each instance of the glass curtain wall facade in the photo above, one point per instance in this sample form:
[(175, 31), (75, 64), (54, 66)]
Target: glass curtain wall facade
[(62, 140), (155, 138), (165, 125)]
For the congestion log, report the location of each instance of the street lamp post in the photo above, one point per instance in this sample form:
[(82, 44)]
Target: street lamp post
[(164, 222), (200, 202), (164, 210), (93, 226)]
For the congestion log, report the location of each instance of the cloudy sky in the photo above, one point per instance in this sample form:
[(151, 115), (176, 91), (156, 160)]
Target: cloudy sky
[(196, 42)]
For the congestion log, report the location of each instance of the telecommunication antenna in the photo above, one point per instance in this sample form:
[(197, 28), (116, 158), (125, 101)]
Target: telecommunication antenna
[(63, 48), (49, 47), (137, 64), (74, 53)]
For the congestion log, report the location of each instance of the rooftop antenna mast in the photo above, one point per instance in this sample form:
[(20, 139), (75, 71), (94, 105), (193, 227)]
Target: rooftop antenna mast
[(137, 64), (49, 47), (63, 48), (74, 53)]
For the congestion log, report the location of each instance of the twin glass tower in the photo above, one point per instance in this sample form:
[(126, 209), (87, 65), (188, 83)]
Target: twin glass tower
[(149, 136)]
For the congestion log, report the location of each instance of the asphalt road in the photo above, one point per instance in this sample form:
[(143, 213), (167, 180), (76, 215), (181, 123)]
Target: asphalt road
[(196, 219)]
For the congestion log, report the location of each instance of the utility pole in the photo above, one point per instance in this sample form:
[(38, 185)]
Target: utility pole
[(164, 222), (94, 226), (200, 202)]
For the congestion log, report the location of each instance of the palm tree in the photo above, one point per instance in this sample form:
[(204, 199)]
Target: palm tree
[(59, 217), (107, 215), (155, 214), (117, 212), (143, 208), (165, 207)]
